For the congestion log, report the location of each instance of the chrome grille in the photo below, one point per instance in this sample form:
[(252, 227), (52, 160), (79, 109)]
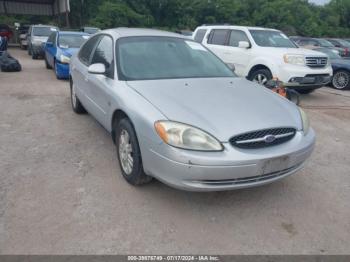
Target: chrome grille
[(316, 62), (263, 138)]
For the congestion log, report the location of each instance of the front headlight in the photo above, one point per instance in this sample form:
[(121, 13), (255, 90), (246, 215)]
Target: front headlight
[(64, 59), (186, 137), (305, 121), (294, 59), (336, 51)]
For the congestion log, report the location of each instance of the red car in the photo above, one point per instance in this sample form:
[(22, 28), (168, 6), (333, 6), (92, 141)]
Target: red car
[(5, 31)]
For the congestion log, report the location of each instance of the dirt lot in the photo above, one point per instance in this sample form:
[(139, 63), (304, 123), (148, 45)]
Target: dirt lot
[(61, 191)]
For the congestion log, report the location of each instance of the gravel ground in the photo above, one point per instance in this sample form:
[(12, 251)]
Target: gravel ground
[(61, 191)]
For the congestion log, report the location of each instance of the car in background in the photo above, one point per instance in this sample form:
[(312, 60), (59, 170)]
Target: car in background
[(259, 54), (341, 70), (341, 43), (37, 36), (187, 33), (90, 30), (59, 48), (5, 31), (23, 32), (309, 42), (177, 113)]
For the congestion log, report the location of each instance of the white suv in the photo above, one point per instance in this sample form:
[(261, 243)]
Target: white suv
[(261, 53)]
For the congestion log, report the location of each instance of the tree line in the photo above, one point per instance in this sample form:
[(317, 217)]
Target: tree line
[(294, 17)]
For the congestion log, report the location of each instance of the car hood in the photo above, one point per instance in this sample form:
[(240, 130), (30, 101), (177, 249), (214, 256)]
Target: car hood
[(223, 107), (341, 62), (69, 51), (40, 38), (295, 51)]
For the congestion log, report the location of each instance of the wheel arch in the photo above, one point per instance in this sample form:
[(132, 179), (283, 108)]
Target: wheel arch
[(258, 67), (118, 115)]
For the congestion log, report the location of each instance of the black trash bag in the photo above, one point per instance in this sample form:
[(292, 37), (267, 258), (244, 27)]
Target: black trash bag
[(3, 44), (8, 63)]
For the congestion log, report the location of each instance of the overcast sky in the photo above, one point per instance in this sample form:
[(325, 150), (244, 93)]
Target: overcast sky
[(319, 2)]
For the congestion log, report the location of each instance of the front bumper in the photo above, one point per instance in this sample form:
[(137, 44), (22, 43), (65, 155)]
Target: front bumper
[(312, 81), (231, 169), (303, 77), (62, 70), (38, 50)]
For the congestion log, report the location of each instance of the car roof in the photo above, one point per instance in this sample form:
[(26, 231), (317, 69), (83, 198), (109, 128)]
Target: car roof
[(44, 26), (72, 33), (235, 27), (127, 32)]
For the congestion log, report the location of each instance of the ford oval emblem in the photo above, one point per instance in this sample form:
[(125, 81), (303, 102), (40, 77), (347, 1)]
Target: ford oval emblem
[(269, 138)]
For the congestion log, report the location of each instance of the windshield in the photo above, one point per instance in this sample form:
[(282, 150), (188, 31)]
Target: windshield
[(90, 30), (325, 43), (331, 54), (269, 38), (71, 41), (146, 58), (43, 31), (343, 42)]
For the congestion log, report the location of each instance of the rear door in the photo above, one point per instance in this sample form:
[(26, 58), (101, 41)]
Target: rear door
[(235, 55), (217, 42)]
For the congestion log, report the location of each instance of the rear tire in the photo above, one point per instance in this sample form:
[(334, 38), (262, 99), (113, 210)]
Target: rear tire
[(76, 104), (129, 154), (260, 76), (341, 80)]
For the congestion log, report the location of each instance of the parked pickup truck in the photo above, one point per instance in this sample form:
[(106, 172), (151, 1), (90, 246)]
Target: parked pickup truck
[(260, 54)]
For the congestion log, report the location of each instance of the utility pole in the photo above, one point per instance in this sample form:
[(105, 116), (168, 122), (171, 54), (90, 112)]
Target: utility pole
[(67, 14)]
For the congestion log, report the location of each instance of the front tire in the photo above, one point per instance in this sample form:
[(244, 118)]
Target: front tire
[(129, 154), (261, 76), (47, 64), (76, 104), (341, 80)]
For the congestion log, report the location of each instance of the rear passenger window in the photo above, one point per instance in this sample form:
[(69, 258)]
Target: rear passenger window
[(86, 50), (236, 36), (200, 35), (218, 37)]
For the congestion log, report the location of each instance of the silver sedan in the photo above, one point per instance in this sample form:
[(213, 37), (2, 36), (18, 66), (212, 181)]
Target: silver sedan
[(179, 114)]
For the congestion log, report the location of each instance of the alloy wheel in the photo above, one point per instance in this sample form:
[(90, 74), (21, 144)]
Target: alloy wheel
[(341, 80), (260, 79), (125, 152)]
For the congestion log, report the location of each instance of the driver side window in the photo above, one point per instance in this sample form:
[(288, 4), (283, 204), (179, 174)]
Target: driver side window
[(104, 55)]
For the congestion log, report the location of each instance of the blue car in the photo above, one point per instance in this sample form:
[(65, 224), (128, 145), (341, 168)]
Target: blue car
[(341, 69), (59, 48)]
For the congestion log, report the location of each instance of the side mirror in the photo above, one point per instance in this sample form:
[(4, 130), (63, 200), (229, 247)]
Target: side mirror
[(231, 66), (243, 44), (98, 69), (49, 44)]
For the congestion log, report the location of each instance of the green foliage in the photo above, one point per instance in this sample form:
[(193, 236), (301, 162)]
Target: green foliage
[(115, 14), (294, 17)]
